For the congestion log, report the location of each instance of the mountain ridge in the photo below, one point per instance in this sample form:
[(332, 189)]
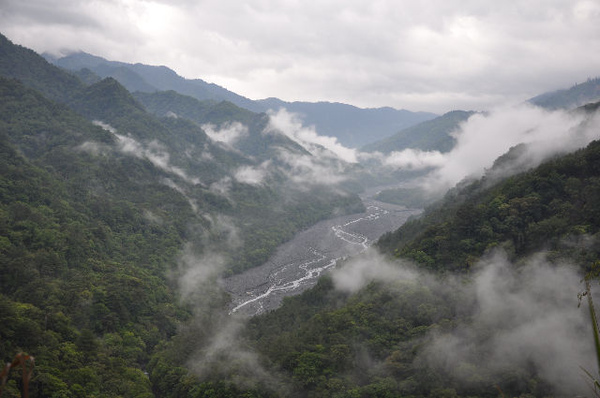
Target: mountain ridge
[(351, 125)]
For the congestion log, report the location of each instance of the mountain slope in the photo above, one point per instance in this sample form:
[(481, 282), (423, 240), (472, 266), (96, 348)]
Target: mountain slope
[(430, 135), (525, 213), (25, 65), (407, 335), (102, 206), (573, 97), (221, 116), (83, 258), (352, 126)]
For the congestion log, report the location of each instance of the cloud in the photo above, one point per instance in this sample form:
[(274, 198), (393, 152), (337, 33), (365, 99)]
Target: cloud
[(95, 148), (522, 317), (291, 125), (422, 55), (214, 338), (486, 136), (197, 273), (229, 133), (155, 153), (414, 159), (252, 175), (326, 162), (371, 266), (105, 126), (508, 317), (221, 187), (306, 170)]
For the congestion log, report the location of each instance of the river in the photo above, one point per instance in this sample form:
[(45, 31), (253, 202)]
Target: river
[(297, 264)]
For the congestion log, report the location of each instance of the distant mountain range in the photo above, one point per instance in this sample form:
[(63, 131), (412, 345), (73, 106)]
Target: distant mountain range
[(352, 126), (578, 95), (431, 135)]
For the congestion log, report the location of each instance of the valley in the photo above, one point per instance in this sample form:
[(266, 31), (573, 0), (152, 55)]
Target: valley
[(164, 244), (298, 264)]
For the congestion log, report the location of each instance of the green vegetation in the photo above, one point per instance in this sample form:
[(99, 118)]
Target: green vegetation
[(523, 213), (430, 135), (371, 343), (92, 223)]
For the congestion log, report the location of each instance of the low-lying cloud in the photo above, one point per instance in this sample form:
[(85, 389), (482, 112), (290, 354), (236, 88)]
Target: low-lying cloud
[(414, 159), (228, 133), (486, 136), (523, 316), (253, 175), (215, 338), (153, 151), (368, 267), (291, 125), (512, 317), (308, 170)]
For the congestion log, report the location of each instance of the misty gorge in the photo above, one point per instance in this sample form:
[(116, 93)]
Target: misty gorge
[(164, 237)]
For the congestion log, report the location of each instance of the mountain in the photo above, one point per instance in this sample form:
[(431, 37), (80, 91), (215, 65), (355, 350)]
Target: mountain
[(25, 65), (430, 135), (407, 332), (218, 115), (573, 97), (352, 126), (119, 211), (104, 207)]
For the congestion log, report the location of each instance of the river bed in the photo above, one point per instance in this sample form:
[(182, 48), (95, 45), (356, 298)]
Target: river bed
[(297, 264)]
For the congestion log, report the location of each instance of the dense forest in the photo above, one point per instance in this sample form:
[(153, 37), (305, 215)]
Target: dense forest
[(376, 341), (102, 206), (109, 200)]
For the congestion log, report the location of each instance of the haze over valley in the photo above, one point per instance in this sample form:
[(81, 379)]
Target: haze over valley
[(165, 236)]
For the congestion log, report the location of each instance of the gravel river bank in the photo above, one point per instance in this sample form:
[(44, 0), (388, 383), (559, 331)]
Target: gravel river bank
[(297, 264)]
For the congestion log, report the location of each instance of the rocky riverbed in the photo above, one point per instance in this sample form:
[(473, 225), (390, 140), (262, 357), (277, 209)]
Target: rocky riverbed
[(297, 264)]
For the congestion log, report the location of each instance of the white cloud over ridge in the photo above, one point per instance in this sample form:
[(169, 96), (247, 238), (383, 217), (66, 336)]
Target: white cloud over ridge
[(484, 137), (229, 133), (155, 153), (326, 160), (252, 175), (291, 125)]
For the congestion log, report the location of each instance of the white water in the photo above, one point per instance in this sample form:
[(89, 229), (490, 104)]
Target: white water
[(298, 264)]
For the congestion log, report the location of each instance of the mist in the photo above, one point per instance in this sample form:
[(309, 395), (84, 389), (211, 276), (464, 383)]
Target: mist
[(484, 137), (228, 133), (513, 316), (371, 266), (290, 125), (253, 175), (213, 339)]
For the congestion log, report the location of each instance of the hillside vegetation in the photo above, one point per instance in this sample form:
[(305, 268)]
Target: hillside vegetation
[(102, 207), (119, 213)]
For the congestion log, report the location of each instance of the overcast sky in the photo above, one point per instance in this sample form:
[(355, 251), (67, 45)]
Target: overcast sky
[(432, 55)]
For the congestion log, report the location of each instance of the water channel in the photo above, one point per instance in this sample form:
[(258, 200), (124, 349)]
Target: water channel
[(297, 264)]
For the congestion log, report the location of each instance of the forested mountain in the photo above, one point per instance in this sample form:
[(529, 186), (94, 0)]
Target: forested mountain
[(430, 135), (119, 212), (485, 306), (103, 205), (147, 78), (579, 94), (352, 126), (212, 114)]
